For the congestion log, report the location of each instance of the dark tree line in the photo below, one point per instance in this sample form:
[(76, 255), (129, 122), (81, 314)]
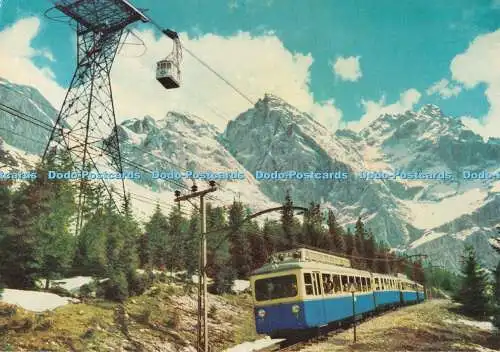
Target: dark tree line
[(37, 240)]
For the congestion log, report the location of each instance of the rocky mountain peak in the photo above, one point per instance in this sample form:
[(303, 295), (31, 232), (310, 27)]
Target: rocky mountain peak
[(431, 110)]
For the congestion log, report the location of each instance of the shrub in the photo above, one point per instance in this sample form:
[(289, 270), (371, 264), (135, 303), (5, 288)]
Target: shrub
[(139, 284), (145, 315), (88, 290), (7, 310), (116, 288), (174, 320), (212, 312)]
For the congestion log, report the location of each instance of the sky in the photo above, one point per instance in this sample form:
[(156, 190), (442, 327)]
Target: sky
[(344, 62)]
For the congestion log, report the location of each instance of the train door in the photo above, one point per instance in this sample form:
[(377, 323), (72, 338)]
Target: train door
[(318, 292)]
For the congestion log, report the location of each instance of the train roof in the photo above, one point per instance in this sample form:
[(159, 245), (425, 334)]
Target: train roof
[(270, 268), (291, 265)]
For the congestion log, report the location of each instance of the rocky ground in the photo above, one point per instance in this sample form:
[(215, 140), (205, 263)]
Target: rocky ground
[(163, 319), (431, 326)]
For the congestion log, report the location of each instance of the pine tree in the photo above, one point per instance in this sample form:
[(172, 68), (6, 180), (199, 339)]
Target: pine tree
[(192, 247), (7, 230), (240, 249), (270, 233), (312, 227), (336, 234), (157, 229), (224, 279), (472, 293), (496, 289), (40, 244), (218, 244), (55, 242), (382, 262), (359, 240), (287, 222), (175, 242), (257, 245), (91, 257), (370, 249), (349, 241), (496, 297)]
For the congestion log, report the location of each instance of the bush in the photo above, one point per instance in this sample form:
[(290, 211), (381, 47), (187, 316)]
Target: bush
[(116, 288), (174, 320), (145, 315), (212, 312), (88, 290), (7, 310), (140, 283)]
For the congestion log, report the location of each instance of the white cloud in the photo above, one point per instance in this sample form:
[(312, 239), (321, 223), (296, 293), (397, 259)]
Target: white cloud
[(327, 114), (479, 65), (444, 88), (475, 125), (373, 109), (347, 68), (16, 63), (255, 65)]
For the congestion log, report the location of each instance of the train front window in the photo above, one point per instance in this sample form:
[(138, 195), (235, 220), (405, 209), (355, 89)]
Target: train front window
[(276, 287)]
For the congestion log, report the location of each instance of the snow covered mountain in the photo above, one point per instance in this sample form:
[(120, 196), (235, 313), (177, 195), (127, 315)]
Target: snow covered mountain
[(430, 216), (181, 142), (28, 104)]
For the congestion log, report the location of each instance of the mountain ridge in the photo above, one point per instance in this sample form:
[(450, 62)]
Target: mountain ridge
[(411, 215)]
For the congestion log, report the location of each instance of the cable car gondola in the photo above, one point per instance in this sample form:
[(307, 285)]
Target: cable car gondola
[(168, 71)]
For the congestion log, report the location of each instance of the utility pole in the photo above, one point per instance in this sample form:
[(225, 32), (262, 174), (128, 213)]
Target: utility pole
[(202, 274)]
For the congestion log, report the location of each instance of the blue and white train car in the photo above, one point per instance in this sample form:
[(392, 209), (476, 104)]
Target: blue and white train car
[(386, 290), (305, 289), (409, 292)]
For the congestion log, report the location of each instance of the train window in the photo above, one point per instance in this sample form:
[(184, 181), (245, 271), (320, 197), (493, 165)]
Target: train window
[(345, 283), (363, 284), (352, 283), (377, 287), (276, 287), (327, 284), (308, 284), (359, 287), (336, 283), (317, 283), (369, 283)]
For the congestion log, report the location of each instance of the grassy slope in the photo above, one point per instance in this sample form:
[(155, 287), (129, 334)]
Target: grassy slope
[(422, 327), (162, 319)]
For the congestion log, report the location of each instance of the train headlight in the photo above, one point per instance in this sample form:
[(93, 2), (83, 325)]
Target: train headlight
[(295, 308), (261, 313)]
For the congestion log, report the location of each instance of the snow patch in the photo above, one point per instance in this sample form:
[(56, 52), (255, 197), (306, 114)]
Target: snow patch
[(240, 285), (254, 345), (72, 284), (427, 237), (34, 300), (427, 215), (483, 325)]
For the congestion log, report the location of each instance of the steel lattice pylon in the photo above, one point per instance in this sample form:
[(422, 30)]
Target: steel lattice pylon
[(86, 125)]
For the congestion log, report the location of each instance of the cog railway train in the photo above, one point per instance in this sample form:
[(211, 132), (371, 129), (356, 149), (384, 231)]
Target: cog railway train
[(305, 289)]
